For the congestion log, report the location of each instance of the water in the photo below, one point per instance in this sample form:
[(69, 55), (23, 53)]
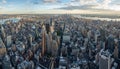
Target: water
[(14, 20), (98, 18)]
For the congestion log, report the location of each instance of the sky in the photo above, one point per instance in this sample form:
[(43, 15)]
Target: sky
[(59, 6)]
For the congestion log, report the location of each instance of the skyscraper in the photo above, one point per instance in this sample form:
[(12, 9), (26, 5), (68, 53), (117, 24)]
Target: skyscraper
[(116, 52), (89, 34), (7, 63), (105, 60), (54, 48), (3, 34), (119, 48), (97, 33), (30, 39), (47, 28), (43, 40), (9, 40), (2, 48), (110, 43), (48, 43)]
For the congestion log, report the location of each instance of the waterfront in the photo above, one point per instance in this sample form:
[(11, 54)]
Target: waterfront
[(97, 18), (14, 20)]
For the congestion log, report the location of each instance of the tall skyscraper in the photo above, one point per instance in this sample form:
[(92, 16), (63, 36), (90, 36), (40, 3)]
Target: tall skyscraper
[(89, 34), (119, 48), (3, 34), (96, 36), (48, 43), (43, 40), (110, 41), (51, 21), (30, 40), (2, 48), (7, 63), (102, 35), (9, 40), (54, 48), (51, 25), (47, 28), (105, 60), (116, 52)]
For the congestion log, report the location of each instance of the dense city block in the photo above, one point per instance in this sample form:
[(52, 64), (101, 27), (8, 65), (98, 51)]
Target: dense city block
[(58, 42)]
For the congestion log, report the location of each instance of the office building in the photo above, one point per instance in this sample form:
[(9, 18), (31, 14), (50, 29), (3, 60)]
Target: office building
[(2, 48), (105, 60), (9, 40), (43, 40), (54, 48)]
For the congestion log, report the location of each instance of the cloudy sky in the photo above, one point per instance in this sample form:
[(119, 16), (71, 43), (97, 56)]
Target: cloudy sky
[(59, 6)]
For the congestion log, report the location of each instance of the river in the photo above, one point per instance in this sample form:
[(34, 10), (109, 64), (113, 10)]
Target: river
[(98, 18), (14, 20)]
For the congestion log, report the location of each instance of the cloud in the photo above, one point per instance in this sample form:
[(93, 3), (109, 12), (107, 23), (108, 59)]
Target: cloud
[(89, 4), (79, 4), (104, 4), (4, 1), (115, 7), (36, 2), (83, 2), (107, 2), (50, 1), (86, 2), (0, 7), (84, 7), (75, 0)]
